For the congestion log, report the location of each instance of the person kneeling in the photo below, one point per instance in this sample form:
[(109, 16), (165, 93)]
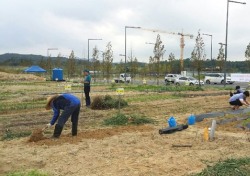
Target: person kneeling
[(238, 100)]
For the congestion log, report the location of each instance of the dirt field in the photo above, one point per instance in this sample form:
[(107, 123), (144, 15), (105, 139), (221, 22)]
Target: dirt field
[(127, 150)]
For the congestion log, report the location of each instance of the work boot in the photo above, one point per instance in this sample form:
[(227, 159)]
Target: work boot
[(57, 131), (74, 129)]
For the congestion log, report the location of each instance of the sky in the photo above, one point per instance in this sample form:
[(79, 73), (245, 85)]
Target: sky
[(59, 26)]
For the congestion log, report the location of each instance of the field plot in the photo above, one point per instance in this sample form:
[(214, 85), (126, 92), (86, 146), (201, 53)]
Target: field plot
[(115, 150)]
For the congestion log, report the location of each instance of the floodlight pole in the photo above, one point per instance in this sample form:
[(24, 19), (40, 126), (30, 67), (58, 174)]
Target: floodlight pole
[(226, 37), (211, 48), (126, 49)]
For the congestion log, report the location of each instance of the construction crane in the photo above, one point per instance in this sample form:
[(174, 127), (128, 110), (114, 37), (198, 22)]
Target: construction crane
[(182, 44)]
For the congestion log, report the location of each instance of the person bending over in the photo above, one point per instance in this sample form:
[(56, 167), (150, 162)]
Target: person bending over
[(70, 105), (238, 100)]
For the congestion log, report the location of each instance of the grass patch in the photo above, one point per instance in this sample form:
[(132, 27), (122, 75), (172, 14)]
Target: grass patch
[(160, 88), (107, 102), (9, 135), (122, 119), (230, 167), (27, 173), (150, 97)]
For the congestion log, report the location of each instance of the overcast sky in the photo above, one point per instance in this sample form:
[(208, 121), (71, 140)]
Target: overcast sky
[(33, 26)]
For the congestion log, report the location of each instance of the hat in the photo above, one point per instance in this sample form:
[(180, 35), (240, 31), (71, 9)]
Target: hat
[(49, 100), (86, 70)]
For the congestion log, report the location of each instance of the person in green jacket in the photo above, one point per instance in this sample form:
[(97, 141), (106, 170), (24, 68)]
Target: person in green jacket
[(87, 80)]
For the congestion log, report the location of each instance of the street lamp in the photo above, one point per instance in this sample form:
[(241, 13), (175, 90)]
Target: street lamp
[(211, 48), (149, 43), (50, 49), (88, 46), (126, 47), (226, 37)]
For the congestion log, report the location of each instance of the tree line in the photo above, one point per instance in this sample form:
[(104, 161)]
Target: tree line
[(103, 66)]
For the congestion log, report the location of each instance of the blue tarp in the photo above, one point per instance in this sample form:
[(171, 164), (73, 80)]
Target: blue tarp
[(35, 69)]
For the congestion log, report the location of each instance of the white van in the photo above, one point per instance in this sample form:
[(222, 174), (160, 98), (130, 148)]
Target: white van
[(217, 78)]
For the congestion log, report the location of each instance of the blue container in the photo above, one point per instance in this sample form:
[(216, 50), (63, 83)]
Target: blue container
[(172, 122), (191, 120), (57, 74)]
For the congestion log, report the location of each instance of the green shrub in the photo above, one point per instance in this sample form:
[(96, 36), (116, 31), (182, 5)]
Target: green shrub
[(107, 102), (121, 119), (118, 119)]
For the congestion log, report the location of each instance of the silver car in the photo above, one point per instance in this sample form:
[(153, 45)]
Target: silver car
[(187, 80)]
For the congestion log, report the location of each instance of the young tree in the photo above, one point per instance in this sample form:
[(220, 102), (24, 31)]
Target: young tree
[(108, 60), (134, 66), (95, 61), (247, 55), (221, 58), (198, 54), (58, 63), (120, 67), (71, 64), (158, 55), (171, 59)]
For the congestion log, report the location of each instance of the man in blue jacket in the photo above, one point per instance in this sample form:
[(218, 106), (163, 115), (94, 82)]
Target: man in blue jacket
[(70, 105)]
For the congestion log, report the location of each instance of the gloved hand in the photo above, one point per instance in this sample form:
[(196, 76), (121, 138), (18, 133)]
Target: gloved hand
[(48, 125)]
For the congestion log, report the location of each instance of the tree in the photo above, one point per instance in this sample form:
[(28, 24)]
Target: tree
[(71, 64), (108, 60), (221, 58), (158, 55), (198, 54), (171, 59), (58, 63), (247, 55), (95, 61), (134, 66), (120, 66)]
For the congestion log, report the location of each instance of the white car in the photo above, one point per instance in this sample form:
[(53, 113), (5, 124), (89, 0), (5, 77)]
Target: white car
[(170, 78), (187, 80), (217, 78)]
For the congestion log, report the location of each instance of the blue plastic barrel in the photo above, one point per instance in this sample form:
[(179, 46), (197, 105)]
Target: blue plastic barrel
[(191, 120), (57, 74), (172, 122)]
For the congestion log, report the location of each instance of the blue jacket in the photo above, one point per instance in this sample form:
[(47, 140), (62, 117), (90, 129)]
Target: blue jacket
[(61, 102)]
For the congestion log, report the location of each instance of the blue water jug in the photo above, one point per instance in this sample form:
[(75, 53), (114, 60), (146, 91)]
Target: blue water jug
[(172, 122), (191, 120)]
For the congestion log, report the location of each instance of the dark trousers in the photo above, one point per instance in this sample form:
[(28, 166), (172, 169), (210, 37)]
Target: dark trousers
[(72, 111), (87, 97)]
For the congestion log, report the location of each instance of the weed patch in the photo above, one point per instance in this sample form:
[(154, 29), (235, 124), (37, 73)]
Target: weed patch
[(229, 167), (122, 119), (27, 173), (107, 102), (9, 135)]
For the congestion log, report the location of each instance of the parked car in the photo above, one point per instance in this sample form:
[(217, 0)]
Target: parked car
[(217, 78), (123, 78), (170, 78), (186, 80)]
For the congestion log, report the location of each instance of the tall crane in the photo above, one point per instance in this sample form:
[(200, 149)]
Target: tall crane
[(182, 44)]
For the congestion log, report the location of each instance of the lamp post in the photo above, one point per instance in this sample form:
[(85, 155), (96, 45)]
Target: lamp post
[(210, 35), (226, 37), (126, 47), (88, 47), (50, 49)]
